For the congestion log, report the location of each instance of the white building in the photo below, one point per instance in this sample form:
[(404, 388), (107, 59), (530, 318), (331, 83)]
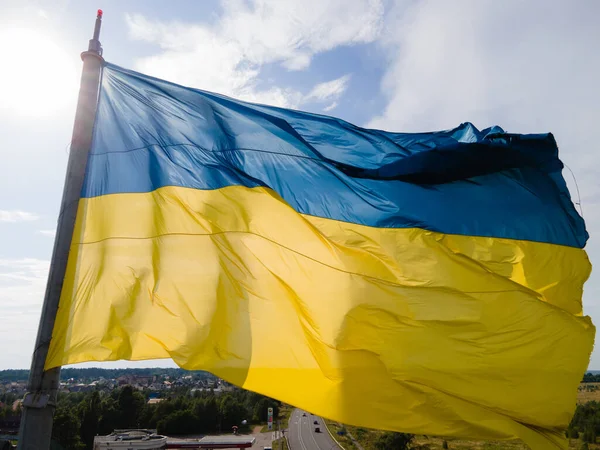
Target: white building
[(131, 440)]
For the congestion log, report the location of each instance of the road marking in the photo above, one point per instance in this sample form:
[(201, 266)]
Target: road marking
[(300, 435), (310, 430)]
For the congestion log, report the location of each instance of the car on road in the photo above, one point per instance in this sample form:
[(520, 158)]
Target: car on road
[(316, 423), (303, 414), (317, 430)]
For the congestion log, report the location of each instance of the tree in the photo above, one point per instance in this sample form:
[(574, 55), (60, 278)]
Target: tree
[(591, 378), (131, 404), (91, 420), (262, 404), (146, 417), (203, 415), (110, 416), (589, 434), (180, 422), (394, 441), (65, 429), (231, 411), (211, 411)]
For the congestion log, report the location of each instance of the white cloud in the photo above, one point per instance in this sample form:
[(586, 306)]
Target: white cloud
[(329, 90), (50, 233), (227, 56), (293, 31), (298, 62), (22, 286), (330, 107), (450, 64), (530, 67), (286, 98), (22, 281), (17, 216)]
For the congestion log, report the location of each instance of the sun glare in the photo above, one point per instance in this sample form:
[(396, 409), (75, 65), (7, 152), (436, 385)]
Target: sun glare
[(37, 78)]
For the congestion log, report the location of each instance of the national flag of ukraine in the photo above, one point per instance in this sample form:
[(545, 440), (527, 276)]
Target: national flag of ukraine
[(428, 283)]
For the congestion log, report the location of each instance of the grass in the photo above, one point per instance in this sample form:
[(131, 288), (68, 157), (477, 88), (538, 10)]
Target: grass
[(344, 440), (280, 444), (265, 428), (364, 436), (588, 392), (433, 443)]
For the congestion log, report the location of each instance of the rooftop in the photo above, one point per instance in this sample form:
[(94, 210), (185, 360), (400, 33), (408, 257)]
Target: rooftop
[(214, 442)]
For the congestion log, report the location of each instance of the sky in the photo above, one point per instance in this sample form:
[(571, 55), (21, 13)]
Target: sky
[(404, 65)]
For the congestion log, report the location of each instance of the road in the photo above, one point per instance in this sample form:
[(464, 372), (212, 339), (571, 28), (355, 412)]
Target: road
[(302, 435)]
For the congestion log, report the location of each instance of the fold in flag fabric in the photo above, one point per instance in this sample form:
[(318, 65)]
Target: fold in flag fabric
[(428, 283)]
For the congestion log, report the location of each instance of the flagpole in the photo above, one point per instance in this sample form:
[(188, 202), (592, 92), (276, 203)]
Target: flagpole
[(40, 400)]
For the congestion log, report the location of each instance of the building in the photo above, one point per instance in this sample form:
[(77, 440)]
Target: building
[(149, 440), (10, 424), (144, 381), (215, 442), (131, 440), (81, 387)]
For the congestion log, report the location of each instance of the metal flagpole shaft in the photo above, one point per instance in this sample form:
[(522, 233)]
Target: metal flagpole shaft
[(42, 388)]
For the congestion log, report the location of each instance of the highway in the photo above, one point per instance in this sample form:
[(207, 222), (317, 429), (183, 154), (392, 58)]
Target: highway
[(302, 435)]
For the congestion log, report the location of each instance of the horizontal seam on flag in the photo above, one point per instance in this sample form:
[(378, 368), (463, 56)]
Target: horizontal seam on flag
[(282, 246), (226, 150)]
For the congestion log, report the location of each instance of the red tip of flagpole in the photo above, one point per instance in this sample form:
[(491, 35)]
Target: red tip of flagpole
[(95, 46)]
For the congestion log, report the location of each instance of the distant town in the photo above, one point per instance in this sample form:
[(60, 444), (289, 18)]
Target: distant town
[(98, 401), (106, 380), (96, 405)]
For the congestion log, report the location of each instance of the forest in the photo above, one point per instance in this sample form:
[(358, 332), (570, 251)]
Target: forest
[(81, 416)]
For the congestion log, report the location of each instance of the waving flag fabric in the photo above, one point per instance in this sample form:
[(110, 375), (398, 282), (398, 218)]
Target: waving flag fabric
[(429, 283)]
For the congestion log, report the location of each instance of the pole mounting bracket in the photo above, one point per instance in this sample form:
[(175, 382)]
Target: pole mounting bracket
[(37, 400)]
